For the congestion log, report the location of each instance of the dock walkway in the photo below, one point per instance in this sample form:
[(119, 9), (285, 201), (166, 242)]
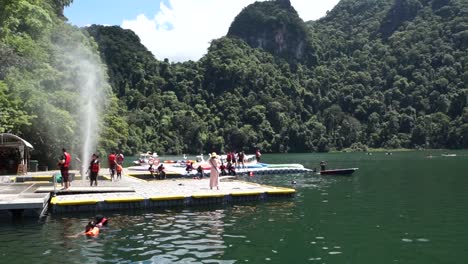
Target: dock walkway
[(159, 193), (128, 193)]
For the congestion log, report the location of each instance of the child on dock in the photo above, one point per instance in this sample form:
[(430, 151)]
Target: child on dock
[(119, 171)]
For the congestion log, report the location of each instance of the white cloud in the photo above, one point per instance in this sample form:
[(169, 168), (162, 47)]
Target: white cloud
[(184, 31)]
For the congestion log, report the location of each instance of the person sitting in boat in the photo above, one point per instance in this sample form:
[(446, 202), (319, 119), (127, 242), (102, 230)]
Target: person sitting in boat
[(323, 165), (161, 172), (151, 170), (222, 167), (189, 167), (200, 172), (231, 169)]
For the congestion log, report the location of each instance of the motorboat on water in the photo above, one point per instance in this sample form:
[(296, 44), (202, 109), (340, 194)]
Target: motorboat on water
[(449, 155), (348, 171), (147, 159), (178, 168)]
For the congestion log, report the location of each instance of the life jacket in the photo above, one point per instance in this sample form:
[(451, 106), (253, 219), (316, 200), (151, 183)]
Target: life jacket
[(67, 160), (111, 159), (119, 168), (95, 166), (120, 158), (102, 223), (93, 232), (229, 157)]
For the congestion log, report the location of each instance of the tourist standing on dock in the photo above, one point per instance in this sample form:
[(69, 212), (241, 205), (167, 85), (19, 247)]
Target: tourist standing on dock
[(120, 158), (93, 169), (214, 173), (112, 164), (241, 159), (258, 155), (64, 164)]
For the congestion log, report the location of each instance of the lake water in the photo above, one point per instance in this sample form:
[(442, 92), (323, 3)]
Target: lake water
[(400, 208)]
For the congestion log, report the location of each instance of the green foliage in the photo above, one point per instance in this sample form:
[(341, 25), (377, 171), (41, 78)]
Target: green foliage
[(377, 73)]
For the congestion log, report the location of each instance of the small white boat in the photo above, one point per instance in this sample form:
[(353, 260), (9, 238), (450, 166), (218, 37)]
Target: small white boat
[(449, 155), (147, 159)]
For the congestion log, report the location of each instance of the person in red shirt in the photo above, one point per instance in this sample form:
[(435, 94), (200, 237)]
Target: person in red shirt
[(64, 164), (112, 164)]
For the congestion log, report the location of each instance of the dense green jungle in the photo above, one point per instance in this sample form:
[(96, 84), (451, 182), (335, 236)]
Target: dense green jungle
[(370, 74)]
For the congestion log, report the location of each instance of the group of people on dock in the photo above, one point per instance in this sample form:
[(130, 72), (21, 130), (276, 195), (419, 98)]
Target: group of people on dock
[(115, 162)]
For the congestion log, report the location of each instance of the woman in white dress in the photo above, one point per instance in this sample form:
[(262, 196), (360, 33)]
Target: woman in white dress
[(214, 173)]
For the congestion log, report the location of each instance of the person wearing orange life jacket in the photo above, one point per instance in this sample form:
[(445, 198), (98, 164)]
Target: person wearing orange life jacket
[(91, 229), (64, 164), (93, 169), (119, 171)]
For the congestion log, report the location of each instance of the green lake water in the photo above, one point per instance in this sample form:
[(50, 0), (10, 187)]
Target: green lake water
[(400, 208)]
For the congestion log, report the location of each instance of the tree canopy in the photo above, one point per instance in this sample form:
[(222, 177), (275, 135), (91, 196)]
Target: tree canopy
[(378, 73)]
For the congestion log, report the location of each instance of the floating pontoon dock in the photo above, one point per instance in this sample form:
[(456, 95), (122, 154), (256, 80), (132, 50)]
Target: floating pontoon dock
[(128, 193)]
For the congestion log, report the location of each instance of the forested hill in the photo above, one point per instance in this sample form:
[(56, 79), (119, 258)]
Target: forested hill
[(372, 73)]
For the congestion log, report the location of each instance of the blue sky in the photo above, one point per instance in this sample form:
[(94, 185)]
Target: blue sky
[(110, 12), (179, 30)]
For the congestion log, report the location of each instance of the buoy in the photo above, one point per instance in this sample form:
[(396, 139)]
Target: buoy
[(251, 174)]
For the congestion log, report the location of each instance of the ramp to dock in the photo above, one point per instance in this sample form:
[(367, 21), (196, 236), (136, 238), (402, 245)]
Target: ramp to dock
[(16, 197)]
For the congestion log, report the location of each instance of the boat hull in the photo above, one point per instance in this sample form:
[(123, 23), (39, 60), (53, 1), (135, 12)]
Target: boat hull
[(339, 171)]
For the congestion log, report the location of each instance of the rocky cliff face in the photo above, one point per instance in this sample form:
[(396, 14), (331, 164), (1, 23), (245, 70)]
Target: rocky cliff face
[(276, 27)]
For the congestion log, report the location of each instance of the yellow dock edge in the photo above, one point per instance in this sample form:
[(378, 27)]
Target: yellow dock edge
[(41, 176), (124, 200), (36, 182), (55, 201), (166, 198), (133, 177), (281, 191), (247, 193), (208, 195)]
